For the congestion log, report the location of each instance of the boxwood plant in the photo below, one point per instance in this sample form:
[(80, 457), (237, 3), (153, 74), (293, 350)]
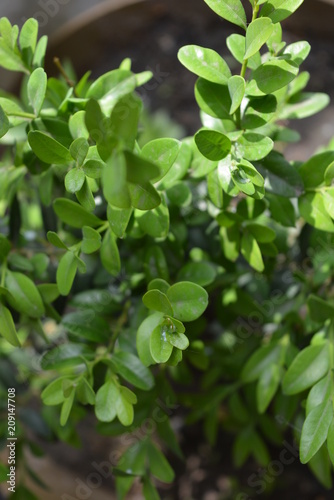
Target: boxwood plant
[(141, 280)]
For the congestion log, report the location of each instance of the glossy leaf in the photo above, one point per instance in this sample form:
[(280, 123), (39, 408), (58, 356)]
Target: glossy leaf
[(27, 299), (257, 34), (36, 88), (231, 10), (213, 145), (48, 149), (205, 63), (188, 300)]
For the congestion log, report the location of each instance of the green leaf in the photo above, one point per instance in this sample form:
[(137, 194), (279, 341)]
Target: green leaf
[(158, 284), (4, 123), (230, 242), (237, 46), (79, 150), (213, 145), (251, 252), (49, 292), (231, 10), (54, 239), (133, 370), (213, 99), (312, 208), (93, 169), (282, 210), (143, 338), (118, 219), (271, 76), (85, 196), (48, 149), (53, 393), (27, 297), (139, 169), (149, 490), (74, 180), (252, 146), (236, 87), (157, 301), (163, 153), (144, 196), (28, 39), (159, 466), (315, 430), (206, 63), (215, 191), (319, 393), (267, 386), (278, 10), (177, 339), (91, 240), (39, 55), (109, 254), (304, 104), (124, 409), (66, 355), (9, 59), (87, 325), (202, 273), (282, 178), (124, 120), (7, 326), (114, 181), (320, 310), (179, 194), (188, 300), (73, 214), (154, 222), (160, 348), (105, 402), (313, 171), (262, 234), (330, 441), (257, 34), (77, 125), (67, 269), (5, 247), (309, 366), (261, 361), (36, 88)]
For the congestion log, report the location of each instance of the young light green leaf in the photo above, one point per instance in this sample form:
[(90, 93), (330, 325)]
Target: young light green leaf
[(163, 153), (53, 393), (315, 430), (124, 409), (251, 252), (236, 87), (4, 123), (105, 402), (73, 214), (257, 34), (28, 39), (54, 239), (85, 196), (74, 180), (188, 300), (177, 339), (278, 10), (206, 63), (271, 76), (36, 88), (309, 366), (160, 347), (237, 46), (79, 150), (231, 10), (109, 254), (27, 298), (267, 386), (213, 145), (319, 393), (48, 149), (7, 326), (114, 181), (66, 272), (157, 301), (143, 338), (313, 209), (253, 147), (91, 240)]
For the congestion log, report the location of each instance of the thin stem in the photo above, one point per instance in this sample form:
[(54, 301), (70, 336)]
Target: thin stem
[(23, 115), (68, 80)]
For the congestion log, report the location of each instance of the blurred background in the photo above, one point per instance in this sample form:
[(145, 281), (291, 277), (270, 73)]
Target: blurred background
[(97, 35)]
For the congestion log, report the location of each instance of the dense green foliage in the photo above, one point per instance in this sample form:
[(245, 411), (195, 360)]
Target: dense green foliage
[(141, 277)]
